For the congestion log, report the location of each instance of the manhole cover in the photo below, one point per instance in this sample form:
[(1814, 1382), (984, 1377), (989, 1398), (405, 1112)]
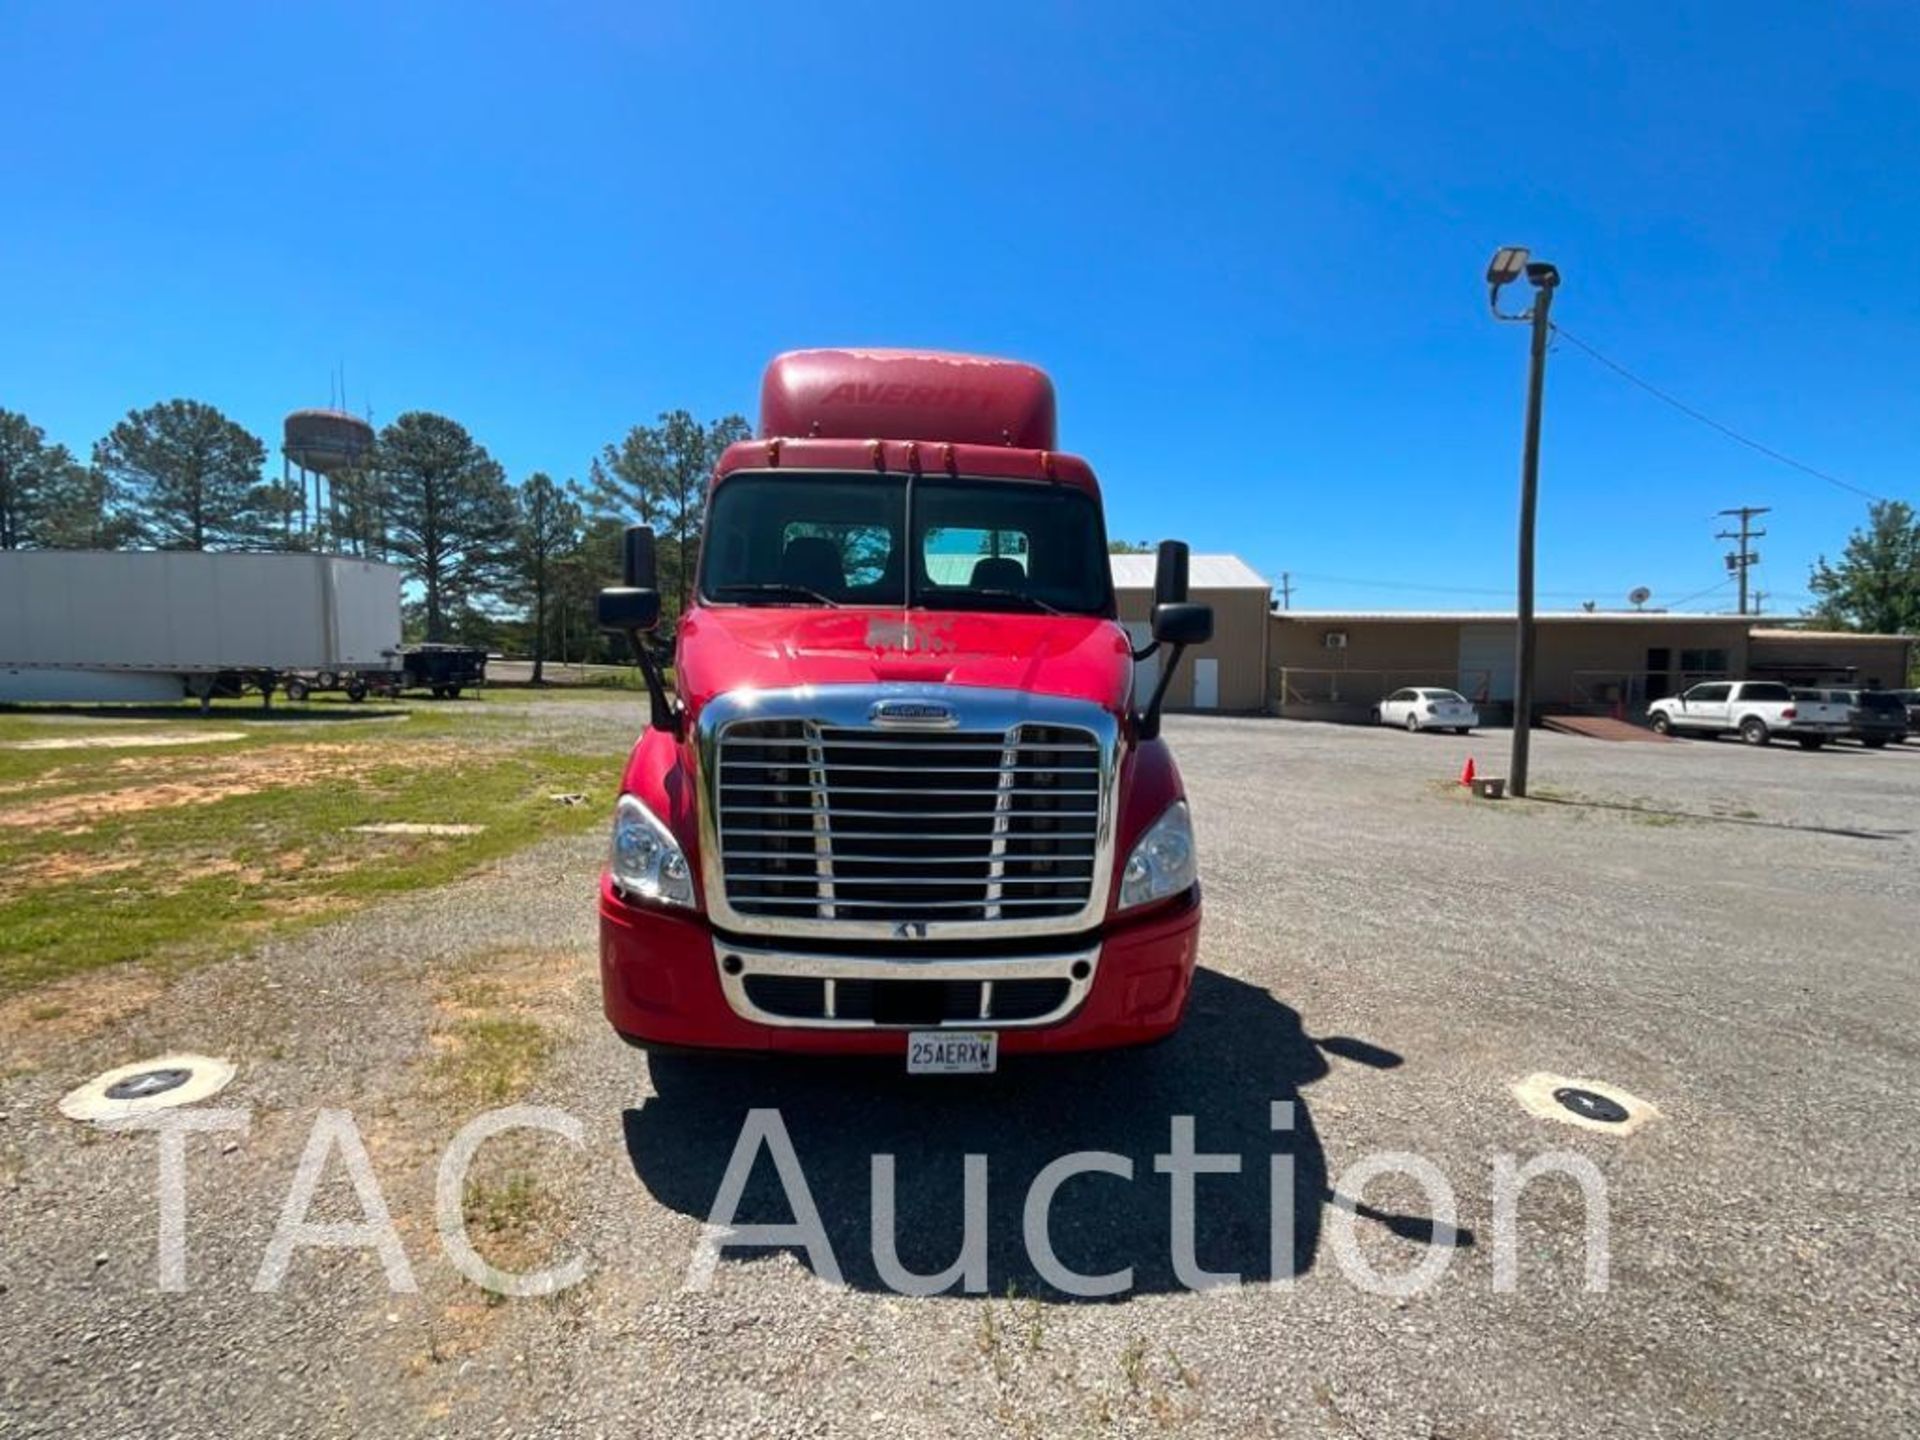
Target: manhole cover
[(146, 1085), (1588, 1105), (148, 1082)]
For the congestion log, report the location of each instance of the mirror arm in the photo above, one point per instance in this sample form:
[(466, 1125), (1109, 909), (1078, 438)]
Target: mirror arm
[(1152, 647), (665, 715), (1149, 723)]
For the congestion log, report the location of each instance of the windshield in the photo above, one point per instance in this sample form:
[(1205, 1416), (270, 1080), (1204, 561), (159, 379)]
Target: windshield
[(1018, 546), (1454, 695)]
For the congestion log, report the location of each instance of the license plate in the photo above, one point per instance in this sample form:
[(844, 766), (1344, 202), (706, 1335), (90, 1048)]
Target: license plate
[(952, 1052)]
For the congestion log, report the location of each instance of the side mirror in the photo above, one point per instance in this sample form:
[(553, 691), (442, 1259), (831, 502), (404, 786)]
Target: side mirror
[(626, 609), (1177, 623), (1170, 573), (633, 610), (638, 568), (1182, 623)]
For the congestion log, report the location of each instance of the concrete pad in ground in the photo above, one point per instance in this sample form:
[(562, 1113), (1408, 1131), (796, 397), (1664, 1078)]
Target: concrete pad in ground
[(130, 740)]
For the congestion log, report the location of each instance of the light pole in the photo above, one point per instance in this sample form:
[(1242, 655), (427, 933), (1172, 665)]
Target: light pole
[(1509, 264)]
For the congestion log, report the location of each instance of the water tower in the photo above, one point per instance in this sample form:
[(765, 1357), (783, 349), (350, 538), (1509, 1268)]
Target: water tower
[(334, 451)]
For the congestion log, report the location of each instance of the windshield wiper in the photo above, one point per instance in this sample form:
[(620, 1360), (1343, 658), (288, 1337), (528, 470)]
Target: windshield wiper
[(1031, 602), (771, 588)]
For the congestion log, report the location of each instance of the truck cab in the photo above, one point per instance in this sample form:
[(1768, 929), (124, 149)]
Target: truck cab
[(905, 797)]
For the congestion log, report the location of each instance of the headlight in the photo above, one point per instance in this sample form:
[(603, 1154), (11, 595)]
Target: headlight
[(646, 861), (1162, 864)]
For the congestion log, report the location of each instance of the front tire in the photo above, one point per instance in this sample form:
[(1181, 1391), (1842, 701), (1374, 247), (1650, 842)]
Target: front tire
[(1812, 742), (1754, 731), (1875, 742), (1660, 722)]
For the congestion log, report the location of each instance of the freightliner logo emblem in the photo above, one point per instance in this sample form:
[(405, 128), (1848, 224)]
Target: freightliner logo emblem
[(913, 715)]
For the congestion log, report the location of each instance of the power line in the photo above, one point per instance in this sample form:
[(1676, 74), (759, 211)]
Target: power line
[(1709, 421), (1700, 593)]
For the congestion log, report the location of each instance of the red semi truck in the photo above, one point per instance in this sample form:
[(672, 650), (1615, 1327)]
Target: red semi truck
[(905, 797)]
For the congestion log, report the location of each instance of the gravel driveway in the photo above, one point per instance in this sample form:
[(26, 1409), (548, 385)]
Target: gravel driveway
[(1725, 933)]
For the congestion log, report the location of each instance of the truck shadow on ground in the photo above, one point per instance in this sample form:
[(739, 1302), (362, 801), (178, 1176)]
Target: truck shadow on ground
[(1239, 1051)]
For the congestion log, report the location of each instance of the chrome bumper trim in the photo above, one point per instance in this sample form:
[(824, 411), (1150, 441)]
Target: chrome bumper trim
[(831, 968)]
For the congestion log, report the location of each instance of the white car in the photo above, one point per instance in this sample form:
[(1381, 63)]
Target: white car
[(1423, 709)]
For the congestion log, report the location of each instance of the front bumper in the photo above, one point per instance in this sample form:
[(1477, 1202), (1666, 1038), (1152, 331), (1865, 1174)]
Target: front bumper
[(663, 983)]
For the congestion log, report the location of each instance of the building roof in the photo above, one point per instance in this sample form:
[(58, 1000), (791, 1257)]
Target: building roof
[(1204, 572), (1498, 617), (1831, 637)]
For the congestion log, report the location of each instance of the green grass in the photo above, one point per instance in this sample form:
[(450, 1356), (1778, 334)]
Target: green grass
[(604, 685), (494, 1057), (84, 886)]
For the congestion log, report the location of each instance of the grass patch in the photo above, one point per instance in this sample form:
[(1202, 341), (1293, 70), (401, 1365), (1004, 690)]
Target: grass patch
[(611, 684), (493, 1058), (172, 857), (505, 1207)]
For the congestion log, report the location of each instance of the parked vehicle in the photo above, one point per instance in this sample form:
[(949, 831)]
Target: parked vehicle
[(1755, 710), (154, 627), (1427, 709), (1876, 718), (907, 799), (355, 684), (443, 670), (1911, 699)]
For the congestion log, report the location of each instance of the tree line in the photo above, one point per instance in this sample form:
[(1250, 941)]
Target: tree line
[(487, 561)]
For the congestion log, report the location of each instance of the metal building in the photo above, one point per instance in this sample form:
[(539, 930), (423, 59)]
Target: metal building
[(1228, 673), (1336, 665)]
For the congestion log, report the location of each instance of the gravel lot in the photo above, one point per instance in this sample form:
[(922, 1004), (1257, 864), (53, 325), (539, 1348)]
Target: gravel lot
[(1726, 933)]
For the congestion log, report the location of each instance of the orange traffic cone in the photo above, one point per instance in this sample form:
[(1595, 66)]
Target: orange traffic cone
[(1466, 772)]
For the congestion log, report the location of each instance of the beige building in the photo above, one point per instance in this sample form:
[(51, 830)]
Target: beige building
[(1229, 672), (1825, 657), (1338, 665)]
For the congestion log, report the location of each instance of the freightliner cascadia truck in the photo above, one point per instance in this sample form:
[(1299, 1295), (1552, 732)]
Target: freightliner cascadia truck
[(905, 796)]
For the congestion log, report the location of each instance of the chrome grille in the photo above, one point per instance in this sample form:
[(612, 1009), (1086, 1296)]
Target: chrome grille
[(838, 822)]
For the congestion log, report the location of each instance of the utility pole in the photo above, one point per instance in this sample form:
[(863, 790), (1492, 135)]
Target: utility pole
[(1745, 558), (1507, 266), (1286, 589), (1759, 602)]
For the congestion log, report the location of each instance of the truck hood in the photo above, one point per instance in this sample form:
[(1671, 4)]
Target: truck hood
[(775, 648)]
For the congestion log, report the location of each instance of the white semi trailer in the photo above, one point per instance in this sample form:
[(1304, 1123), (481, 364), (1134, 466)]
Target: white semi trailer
[(99, 626)]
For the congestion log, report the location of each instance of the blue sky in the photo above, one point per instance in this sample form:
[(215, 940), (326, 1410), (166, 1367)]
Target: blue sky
[(1246, 241)]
